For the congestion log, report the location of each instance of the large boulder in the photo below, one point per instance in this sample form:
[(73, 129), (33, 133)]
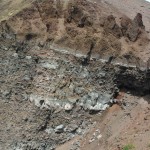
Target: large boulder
[(132, 28), (138, 21)]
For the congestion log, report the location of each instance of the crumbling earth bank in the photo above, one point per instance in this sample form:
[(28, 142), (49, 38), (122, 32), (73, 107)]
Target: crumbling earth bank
[(75, 25)]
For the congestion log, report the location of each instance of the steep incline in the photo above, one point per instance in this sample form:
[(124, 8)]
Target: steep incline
[(77, 24), (63, 62)]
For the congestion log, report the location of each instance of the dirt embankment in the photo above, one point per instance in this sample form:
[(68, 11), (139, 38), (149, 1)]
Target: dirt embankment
[(77, 24)]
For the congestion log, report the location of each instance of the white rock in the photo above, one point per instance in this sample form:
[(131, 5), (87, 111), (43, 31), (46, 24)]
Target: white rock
[(99, 136), (93, 95), (68, 107), (47, 65), (49, 130), (15, 55), (99, 107), (59, 128), (28, 57), (91, 140)]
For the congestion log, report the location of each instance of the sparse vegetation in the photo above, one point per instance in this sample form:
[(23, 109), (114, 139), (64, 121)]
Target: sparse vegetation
[(129, 147)]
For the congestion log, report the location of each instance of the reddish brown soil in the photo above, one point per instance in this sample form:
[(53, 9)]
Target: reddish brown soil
[(118, 127)]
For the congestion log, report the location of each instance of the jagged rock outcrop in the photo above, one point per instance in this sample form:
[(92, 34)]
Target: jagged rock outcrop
[(133, 79), (111, 26), (73, 25), (132, 28)]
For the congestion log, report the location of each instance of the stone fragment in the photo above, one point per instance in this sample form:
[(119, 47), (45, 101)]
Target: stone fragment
[(15, 55), (28, 57), (68, 107), (59, 129), (48, 65)]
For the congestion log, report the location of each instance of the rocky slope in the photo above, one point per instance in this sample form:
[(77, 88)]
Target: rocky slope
[(61, 63), (77, 24)]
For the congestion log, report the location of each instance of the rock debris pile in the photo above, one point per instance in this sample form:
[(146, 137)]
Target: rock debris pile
[(52, 95)]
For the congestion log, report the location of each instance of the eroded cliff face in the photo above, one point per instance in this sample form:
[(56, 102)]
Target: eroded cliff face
[(66, 60), (75, 25)]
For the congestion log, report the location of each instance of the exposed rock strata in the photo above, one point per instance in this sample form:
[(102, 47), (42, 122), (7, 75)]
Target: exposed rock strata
[(44, 84)]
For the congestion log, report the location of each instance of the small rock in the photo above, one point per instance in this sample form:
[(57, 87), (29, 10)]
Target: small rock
[(91, 140), (99, 107), (59, 129), (27, 78), (99, 136), (79, 90), (28, 57), (25, 96), (71, 86), (6, 93), (68, 107), (15, 55), (52, 65), (73, 99), (71, 128), (49, 130), (93, 95), (79, 131), (6, 49)]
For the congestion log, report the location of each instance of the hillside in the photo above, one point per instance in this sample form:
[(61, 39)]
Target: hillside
[(75, 75)]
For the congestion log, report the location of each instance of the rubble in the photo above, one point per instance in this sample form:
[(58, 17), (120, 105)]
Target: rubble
[(59, 129), (51, 94)]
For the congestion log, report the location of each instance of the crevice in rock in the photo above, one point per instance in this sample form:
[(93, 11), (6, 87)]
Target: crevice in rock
[(86, 60)]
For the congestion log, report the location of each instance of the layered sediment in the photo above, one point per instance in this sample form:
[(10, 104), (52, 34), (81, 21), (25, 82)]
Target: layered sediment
[(69, 58)]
